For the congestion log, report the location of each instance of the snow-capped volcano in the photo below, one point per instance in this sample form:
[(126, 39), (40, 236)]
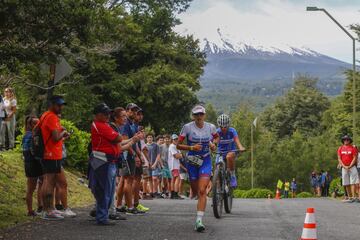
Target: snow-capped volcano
[(241, 68), (224, 44)]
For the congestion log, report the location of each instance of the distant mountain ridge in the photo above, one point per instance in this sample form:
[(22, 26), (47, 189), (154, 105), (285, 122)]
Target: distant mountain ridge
[(237, 66)]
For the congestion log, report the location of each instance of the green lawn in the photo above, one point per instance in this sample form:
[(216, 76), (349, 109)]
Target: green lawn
[(13, 189)]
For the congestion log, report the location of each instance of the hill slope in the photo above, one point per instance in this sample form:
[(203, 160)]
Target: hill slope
[(13, 190)]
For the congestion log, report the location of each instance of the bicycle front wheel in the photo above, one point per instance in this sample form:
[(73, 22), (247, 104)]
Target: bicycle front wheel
[(228, 198), (217, 194)]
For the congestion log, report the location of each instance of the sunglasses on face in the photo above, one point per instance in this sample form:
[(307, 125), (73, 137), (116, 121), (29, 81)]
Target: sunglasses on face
[(199, 114)]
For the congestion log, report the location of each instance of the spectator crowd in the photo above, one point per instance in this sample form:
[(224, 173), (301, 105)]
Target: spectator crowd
[(126, 165), (320, 183)]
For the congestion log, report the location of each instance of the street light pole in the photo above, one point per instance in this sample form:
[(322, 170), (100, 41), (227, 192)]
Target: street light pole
[(354, 64), (252, 155)]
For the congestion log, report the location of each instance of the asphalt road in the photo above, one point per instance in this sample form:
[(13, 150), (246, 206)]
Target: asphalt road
[(173, 219)]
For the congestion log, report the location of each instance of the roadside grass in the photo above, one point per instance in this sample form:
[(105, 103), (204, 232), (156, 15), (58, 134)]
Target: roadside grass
[(13, 190)]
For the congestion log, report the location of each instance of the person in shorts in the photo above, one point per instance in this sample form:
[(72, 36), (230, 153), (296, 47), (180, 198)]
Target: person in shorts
[(53, 135), (347, 157), (174, 165), (166, 174), (139, 161), (61, 198), (155, 164), (33, 169), (127, 171)]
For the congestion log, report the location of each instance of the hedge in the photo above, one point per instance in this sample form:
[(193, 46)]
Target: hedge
[(304, 195), (76, 146), (336, 187), (253, 193)]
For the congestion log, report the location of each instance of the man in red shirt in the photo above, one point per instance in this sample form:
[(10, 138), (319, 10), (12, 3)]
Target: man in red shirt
[(53, 135), (347, 156), (103, 162)]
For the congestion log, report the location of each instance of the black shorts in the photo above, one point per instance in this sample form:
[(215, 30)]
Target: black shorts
[(33, 168), (127, 166), (138, 171), (51, 166)]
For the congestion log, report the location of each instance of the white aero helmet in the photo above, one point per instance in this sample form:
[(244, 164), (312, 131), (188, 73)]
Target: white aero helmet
[(223, 120)]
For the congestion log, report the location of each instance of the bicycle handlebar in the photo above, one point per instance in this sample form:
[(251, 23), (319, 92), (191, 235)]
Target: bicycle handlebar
[(237, 150)]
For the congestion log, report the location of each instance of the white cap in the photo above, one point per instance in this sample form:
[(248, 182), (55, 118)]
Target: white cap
[(174, 136), (198, 109)]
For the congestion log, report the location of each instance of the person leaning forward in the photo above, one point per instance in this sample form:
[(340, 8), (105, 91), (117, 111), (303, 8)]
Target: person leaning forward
[(103, 162)]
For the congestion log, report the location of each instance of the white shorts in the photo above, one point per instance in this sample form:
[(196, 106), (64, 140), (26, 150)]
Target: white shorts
[(183, 176), (350, 177)]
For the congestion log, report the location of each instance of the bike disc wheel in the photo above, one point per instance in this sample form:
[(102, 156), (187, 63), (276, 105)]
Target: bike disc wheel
[(217, 197)]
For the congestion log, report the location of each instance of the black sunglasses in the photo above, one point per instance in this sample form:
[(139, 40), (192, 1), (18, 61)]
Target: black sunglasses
[(199, 114)]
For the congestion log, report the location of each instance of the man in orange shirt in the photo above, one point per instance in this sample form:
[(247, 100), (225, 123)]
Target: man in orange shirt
[(53, 136)]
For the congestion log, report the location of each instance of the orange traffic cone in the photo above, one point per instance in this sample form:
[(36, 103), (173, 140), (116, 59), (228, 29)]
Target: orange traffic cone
[(277, 196), (309, 230)]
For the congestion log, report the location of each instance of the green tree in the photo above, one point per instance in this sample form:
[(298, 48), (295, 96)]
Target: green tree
[(156, 67), (299, 110)]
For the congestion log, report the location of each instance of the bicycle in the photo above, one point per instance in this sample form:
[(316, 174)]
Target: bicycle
[(222, 192)]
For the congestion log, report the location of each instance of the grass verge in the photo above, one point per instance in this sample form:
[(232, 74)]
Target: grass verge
[(13, 190)]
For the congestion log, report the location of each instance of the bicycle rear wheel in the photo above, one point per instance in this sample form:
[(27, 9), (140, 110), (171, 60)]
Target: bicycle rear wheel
[(217, 193)]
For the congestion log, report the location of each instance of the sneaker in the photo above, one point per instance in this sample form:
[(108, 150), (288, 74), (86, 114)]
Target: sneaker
[(177, 197), (92, 213), (158, 195), (142, 208), (199, 226), (117, 217), (134, 211), (52, 216), (357, 200), (58, 212), (122, 209), (350, 200), (69, 213), (39, 211), (233, 181), (31, 214), (59, 207)]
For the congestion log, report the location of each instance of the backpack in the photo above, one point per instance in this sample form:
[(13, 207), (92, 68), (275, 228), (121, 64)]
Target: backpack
[(37, 141)]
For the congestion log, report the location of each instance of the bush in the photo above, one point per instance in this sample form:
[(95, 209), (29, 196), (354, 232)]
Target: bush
[(238, 193), (336, 187), (77, 147), (253, 193), (304, 195), (264, 193)]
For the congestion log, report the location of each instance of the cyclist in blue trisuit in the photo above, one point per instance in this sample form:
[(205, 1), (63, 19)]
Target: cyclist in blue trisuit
[(200, 138), (228, 143)]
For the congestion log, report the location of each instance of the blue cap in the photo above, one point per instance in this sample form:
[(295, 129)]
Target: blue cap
[(174, 136), (58, 100)]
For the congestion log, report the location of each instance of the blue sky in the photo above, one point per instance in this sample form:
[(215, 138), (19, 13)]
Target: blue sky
[(273, 22)]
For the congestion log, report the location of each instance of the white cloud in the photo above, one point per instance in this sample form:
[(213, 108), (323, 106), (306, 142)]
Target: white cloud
[(274, 23)]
